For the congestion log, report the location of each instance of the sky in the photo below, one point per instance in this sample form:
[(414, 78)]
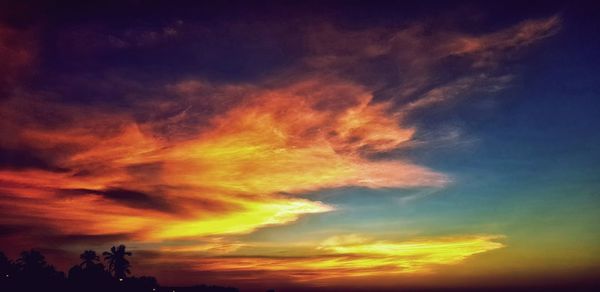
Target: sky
[(305, 145)]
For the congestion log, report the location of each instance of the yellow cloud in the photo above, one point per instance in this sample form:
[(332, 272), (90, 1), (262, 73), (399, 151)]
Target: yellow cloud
[(253, 216), (356, 256), (411, 256)]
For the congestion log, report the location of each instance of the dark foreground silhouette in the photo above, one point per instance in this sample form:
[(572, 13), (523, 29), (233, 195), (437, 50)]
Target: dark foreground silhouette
[(31, 272)]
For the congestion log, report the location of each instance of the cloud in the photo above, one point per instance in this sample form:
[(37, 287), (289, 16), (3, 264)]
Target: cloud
[(227, 179), (337, 258), (200, 163), (488, 50), (25, 159), (421, 64), (453, 90), (132, 198)]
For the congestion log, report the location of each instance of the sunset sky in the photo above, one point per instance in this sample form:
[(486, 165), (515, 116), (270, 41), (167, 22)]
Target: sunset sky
[(305, 145)]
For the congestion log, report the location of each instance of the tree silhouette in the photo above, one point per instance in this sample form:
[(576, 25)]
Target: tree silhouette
[(32, 265), (90, 259), (8, 269), (5, 264), (89, 275), (118, 265), (31, 273), (32, 260)]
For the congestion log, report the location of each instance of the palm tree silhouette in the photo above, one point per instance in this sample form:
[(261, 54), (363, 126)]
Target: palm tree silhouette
[(90, 258), (117, 264), (32, 260), (34, 272)]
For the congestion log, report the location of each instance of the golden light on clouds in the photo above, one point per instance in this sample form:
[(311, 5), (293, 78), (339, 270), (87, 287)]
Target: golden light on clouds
[(231, 178), (344, 256), (252, 216), (412, 256)]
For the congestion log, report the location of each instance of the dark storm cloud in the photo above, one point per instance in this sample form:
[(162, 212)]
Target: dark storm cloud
[(50, 236), (20, 159), (131, 198)]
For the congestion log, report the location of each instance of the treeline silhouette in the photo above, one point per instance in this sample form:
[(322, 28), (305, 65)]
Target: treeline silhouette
[(31, 272)]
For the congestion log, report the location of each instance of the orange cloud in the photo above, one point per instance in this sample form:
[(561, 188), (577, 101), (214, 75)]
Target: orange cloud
[(488, 49), (304, 137)]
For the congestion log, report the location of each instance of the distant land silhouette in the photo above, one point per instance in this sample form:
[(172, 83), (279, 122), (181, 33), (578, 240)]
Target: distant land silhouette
[(31, 272)]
